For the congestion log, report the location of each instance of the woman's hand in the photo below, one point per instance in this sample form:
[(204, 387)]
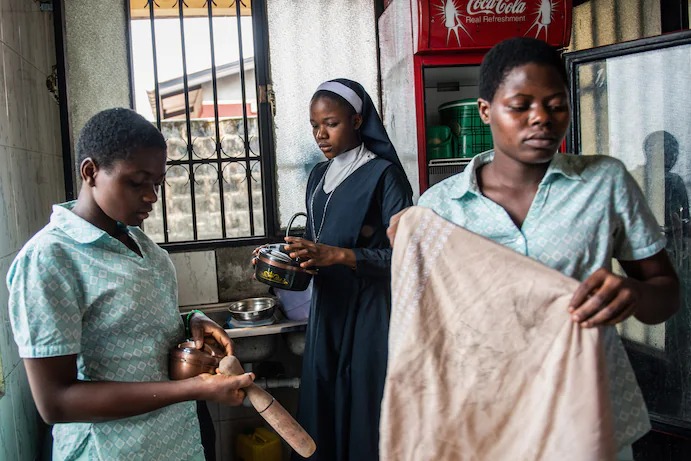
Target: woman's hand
[(205, 330), (225, 389), (255, 254), (604, 299), (650, 292), (317, 254)]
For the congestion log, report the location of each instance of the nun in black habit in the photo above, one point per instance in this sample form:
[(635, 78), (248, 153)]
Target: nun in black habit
[(350, 199)]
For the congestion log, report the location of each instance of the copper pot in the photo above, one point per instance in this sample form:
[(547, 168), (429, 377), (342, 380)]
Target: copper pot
[(186, 361)]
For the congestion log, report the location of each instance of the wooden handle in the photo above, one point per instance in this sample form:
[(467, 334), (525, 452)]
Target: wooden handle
[(272, 411)]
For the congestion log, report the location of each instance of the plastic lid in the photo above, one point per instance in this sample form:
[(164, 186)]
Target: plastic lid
[(459, 103)]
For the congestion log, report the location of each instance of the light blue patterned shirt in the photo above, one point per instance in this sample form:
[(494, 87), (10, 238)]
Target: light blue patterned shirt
[(74, 289), (587, 210)]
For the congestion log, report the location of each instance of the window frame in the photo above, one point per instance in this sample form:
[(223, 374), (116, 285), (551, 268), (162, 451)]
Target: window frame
[(266, 141)]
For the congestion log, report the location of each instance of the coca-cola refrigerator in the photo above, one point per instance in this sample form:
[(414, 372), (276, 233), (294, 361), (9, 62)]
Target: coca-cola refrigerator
[(430, 53)]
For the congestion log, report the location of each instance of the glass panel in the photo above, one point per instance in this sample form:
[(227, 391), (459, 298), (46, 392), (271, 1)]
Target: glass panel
[(257, 199), (203, 72), (175, 134), (143, 62), (208, 202), (303, 54), (153, 226), (235, 192), (636, 108), (178, 203), (2, 381), (232, 144)]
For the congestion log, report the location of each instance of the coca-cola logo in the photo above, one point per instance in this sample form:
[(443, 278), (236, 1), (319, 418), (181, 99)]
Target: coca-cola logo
[(495, 7)]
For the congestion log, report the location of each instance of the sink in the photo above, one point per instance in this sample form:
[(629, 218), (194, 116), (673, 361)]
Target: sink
[(218, 315), (254, 348), (295, 341), (254, 344)]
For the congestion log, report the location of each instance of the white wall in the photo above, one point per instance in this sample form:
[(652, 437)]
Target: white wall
[(311, 42), (398, 86), (96, 59)]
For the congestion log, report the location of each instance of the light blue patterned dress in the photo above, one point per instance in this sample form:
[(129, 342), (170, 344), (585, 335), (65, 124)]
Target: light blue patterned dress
[(587, 210), (74, 289)]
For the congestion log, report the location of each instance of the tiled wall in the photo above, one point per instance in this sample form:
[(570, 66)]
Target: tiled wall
[(30, 181)]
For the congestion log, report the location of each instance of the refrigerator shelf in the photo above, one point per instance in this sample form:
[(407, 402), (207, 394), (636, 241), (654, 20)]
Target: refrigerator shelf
[(440, 169)]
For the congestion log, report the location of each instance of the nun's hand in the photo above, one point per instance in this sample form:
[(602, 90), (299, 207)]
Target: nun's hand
[(317, 254), (393, 225)]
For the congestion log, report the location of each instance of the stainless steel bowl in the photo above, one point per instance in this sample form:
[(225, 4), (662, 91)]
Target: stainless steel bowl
[(253, 309)]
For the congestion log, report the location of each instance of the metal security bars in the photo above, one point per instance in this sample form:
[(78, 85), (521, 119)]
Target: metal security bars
[(196, 69)]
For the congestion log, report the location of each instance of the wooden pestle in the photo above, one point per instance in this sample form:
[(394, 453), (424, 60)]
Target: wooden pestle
[(272, 411)]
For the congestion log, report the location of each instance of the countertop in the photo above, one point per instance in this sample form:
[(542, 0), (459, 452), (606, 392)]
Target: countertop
[(219, 314)]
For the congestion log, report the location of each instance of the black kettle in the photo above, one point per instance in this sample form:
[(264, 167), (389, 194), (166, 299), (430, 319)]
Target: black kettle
[(275, 267)]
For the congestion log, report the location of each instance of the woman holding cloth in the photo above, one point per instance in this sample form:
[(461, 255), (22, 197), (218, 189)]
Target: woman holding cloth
[(350, 199)]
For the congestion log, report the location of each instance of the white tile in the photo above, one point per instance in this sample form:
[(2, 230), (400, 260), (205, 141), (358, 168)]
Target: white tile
[(25, 416), (8, 348), (44, 164), (23, 9), (49, 56), (53, 131), (35, 194), (56, 139), (24, 192), (196, 273), (57, 183), (32, 34), (30, 78), (44, 168), (8, 439), (15, 99), (8, 220), (10, 11), (49, 122), (4, 114), (45, 130)]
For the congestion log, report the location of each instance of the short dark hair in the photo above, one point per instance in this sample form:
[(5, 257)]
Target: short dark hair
[(337, 98), (515, 52), (114, 134)]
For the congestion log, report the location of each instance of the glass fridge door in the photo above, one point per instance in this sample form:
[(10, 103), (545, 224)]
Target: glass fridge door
[(453, 128), (633, 101)]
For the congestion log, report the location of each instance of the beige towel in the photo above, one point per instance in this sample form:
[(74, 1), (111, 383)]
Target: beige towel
[(484, 361)]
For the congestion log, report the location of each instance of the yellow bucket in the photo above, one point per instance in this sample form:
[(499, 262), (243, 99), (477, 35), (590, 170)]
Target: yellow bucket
[(261, 445)]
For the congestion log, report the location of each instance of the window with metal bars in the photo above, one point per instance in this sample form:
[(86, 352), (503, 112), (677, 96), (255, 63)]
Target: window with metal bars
[(198, 67)]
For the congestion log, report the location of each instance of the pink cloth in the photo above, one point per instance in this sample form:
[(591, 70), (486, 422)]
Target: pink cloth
[(484, 361)]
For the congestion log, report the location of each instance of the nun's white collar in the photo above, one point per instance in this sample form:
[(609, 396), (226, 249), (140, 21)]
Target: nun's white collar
[(344, 165)]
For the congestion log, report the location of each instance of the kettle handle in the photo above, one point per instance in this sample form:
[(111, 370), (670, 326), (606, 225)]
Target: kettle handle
[(212, 351), (290, 223)]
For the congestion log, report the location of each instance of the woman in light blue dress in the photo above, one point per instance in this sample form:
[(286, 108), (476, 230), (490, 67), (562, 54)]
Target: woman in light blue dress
[(93, 307)]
